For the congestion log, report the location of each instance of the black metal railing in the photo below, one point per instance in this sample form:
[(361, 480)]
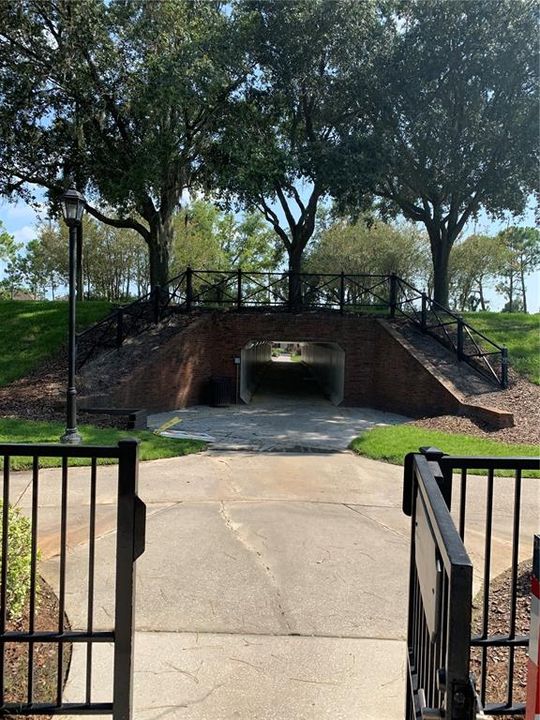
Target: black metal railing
[(470, 345), (440, 594), (32, 698), (482, 507), (387, 295)]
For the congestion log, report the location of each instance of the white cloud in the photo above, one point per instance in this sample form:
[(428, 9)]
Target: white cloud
[(24, 234)]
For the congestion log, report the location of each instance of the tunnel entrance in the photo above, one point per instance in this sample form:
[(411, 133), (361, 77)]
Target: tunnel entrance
[(292, 371)]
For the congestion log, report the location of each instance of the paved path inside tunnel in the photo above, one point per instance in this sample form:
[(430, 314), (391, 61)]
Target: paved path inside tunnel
[(288, 412)]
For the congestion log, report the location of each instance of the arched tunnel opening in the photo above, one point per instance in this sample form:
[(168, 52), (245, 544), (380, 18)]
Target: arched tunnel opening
[(288, 371)]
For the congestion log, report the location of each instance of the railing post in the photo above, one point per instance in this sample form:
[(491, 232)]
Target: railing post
[(393, 294), (119, 328), (443, 478), (460, 325), (504, 368), (156, 303), (342, 293), (130, 544), (239, 289), (424, 312), (189, 288)]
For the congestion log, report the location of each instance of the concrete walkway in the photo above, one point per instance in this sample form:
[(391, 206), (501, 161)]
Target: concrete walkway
[(274, 423)]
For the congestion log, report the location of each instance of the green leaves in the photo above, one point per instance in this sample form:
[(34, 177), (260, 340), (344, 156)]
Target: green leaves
[(18, 561)]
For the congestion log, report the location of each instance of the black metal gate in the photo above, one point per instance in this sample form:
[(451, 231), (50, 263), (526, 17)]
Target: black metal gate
[(130, 538), (442, 681)]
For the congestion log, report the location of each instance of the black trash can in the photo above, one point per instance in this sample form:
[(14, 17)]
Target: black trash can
[(221, 391)]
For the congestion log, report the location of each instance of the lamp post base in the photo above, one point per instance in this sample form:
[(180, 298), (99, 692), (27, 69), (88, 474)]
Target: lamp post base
[(71, 437)]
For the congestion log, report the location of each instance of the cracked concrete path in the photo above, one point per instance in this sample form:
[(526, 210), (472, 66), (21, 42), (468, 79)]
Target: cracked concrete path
[(273, 586)]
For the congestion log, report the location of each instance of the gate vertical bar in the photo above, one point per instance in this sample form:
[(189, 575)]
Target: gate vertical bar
[(125, 581)]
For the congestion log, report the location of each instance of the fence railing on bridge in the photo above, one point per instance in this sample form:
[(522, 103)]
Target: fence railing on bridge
[(385, 295), (453, 649), (28, 694)]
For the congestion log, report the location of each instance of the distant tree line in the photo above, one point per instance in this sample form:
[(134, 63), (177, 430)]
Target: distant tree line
[(425, 110), (115, 261)]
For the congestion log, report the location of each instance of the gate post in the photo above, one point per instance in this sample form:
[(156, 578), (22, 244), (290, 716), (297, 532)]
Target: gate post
[(129, 546)]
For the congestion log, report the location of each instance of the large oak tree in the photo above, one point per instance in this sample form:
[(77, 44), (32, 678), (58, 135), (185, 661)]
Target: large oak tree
[(124, 97), (280, 151), (455, 118)]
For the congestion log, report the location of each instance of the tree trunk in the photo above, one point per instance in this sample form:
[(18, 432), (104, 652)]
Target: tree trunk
[(511, 293), (295, 281), (523, 289), (481, 293), (440, 254), (159, 246)]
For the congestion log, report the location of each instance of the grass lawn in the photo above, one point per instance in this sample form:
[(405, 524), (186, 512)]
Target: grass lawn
[(32, 331), (392, 442), (152, 447), (519, 332)]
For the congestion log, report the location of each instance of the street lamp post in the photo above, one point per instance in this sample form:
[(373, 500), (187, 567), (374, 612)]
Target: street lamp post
[(73, 204)]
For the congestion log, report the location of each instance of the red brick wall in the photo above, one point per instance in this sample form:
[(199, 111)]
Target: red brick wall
[(380, 371)]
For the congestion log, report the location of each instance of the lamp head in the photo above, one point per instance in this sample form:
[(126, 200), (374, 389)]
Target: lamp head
[(73, 204)]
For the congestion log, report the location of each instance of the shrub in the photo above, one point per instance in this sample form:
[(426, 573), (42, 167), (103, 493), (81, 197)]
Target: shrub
[(19, 559)]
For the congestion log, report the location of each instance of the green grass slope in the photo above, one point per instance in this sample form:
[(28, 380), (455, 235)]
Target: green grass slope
[(519, 332), (32, 331)]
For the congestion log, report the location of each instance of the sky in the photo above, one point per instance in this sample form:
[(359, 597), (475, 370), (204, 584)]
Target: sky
[(20, 220)]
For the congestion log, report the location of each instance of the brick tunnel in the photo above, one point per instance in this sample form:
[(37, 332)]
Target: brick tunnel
[(357, 360), (321, 373)]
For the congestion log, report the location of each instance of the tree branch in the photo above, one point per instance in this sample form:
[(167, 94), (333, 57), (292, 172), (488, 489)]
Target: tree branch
[(127, 223)]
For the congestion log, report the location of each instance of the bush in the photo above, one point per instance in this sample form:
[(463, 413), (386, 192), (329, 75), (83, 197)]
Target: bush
[(19, 559)]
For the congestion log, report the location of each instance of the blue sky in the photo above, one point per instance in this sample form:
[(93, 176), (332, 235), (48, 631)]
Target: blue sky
[(20, 220)]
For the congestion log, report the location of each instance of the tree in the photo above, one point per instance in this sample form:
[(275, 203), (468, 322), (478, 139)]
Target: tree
[(454, 115), (208, 238), (278, 152), (473, 263), (374, 248), (123, 97), (8, 246), (520, 257)]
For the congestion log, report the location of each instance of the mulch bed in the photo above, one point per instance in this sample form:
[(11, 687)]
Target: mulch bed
[(45, 655), (522, 398), (41, 395), (499, 616)]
